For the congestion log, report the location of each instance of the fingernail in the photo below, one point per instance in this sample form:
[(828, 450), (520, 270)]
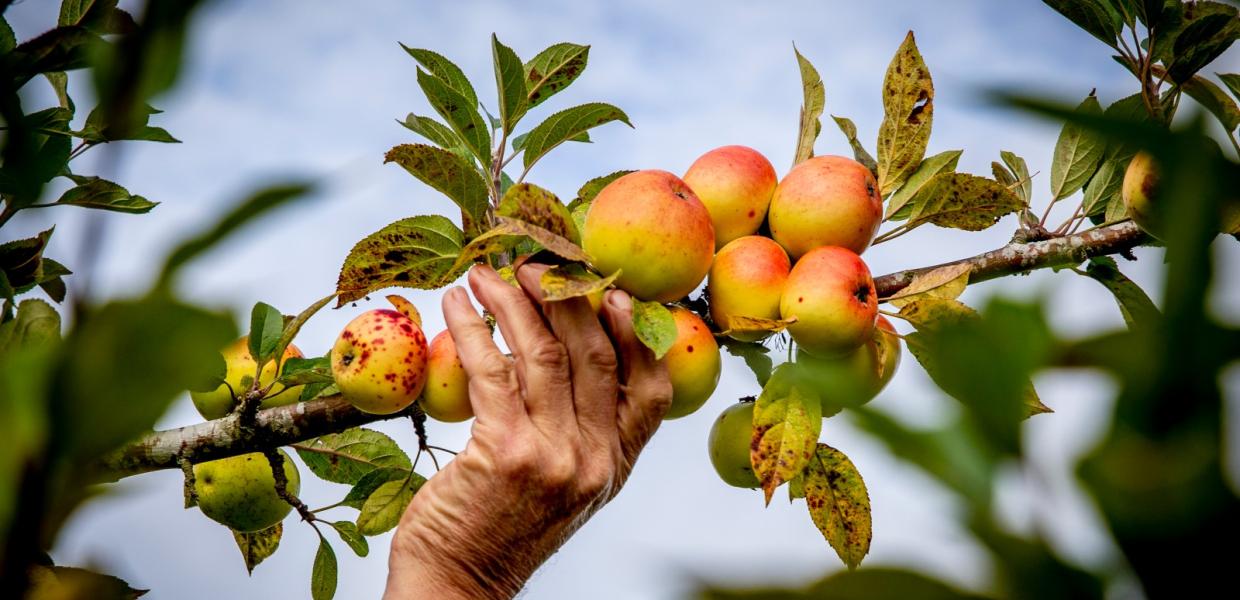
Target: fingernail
[(619, 300), (456, 294)]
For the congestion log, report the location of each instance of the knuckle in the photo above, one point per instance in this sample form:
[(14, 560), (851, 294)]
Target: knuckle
[(600, 356), (550, 355), (497, 373), (559, 471)]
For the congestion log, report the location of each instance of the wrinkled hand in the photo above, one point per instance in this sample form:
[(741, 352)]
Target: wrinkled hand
[(558, 428)]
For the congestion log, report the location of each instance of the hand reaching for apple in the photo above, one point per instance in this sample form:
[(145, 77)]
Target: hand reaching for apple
[(558, 428)]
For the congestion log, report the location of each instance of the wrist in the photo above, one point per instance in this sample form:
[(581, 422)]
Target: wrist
[(423, 565)]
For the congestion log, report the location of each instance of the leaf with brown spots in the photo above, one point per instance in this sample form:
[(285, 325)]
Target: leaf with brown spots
[(460, 114), (554, 69), (908, 111), (553, 242), (812, 104), (566, 125), (347, 456), (963, 201), (743, 324), (901, 203), (944, 282), (839, 504), (787, 419), (418, 252), (654, 326), (256, 546), (929, 312), (448, 173), (537, 206), (562, 282)]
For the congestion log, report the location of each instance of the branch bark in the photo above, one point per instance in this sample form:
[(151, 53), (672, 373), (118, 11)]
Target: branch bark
[(286, 425)]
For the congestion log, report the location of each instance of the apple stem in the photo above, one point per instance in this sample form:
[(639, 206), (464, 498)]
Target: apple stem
[(276, 460), (190, 491)]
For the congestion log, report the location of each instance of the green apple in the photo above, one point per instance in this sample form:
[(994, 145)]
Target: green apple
[(240, 491), (240, 376), (729, 442)]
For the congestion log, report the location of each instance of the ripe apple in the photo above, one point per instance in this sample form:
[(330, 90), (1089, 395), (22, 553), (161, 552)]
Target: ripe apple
[(735, 183), (693, 364), (831, 297), (652, 228), (852, 380), (240, 491), (446, 395), (729, 442), (240, 376), (747, 279), (379, 361), (826, 201)]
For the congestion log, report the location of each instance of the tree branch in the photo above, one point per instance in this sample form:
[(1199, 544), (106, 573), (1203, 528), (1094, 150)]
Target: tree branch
[(286, 425), (1021, 258)]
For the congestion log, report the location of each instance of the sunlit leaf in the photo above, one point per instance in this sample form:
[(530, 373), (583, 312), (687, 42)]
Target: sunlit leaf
[(963, 201), (256, 546), (787, 419), (944, 282), (418, 252), (562, 282), (900, 204), (839, 504), (537, 206), (859, 151), (813, 102), (908, 112), (654, 325)]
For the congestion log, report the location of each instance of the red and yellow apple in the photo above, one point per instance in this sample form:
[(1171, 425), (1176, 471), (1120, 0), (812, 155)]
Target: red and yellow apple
[(239, 376), (747, 280), (446, 394), (855, 378), (729, 441), (379, 361), (831, 297), (693, 364), (240, 491), (652, 228), (735, 183), (826, 201)]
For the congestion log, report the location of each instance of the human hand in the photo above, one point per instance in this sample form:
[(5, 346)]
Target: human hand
[(557, 431)]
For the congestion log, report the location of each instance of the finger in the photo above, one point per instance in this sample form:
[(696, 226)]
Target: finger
[(646, 391), (493, 391), (542, 361), (591, 357)]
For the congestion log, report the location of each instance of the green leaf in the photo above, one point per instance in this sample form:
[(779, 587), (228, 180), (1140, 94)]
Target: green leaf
[(8, 41), (1137, 308), (61, 49), (351, 536), (445, 70), (459, 113), (963, 201), (908, 112), (565, 125), (839, 504), (94, 192), (293, 326), (36, 325), (756, 356), (537, 206), (787, 419), (859, 151), (1077, 153), (591, 188), (510, 81), (1024, 188), (21, 260), (1232, 81), (266, 325), (562, 282), (60, 84), (439, 134), (98, 129), (257, 205), (382, 510), (814, 100), (449, 174), (370, 482), (348, 456), (1090, 16), (418, 252), (121, 369), (1203, 40), (301, 371), (1102, 188), (1214, 99), (72, 583), (554, 69), (654, 325), (256, 546), (900, 205), (323, 574)]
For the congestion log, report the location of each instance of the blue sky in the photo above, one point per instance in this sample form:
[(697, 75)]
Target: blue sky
[(295, 88)]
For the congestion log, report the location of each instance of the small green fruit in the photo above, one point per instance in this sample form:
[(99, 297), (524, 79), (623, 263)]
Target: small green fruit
[(729, 442), (240, 491)]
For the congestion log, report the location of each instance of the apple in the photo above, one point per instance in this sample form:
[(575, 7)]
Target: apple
[(379, 361), (446, 394), (729, 441), (693, 363), (652, 228), (1140, 192), (735, 183), (240, 491), (826, 201), (831, 297), (852, 380), (239, 376), (747, 279)]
